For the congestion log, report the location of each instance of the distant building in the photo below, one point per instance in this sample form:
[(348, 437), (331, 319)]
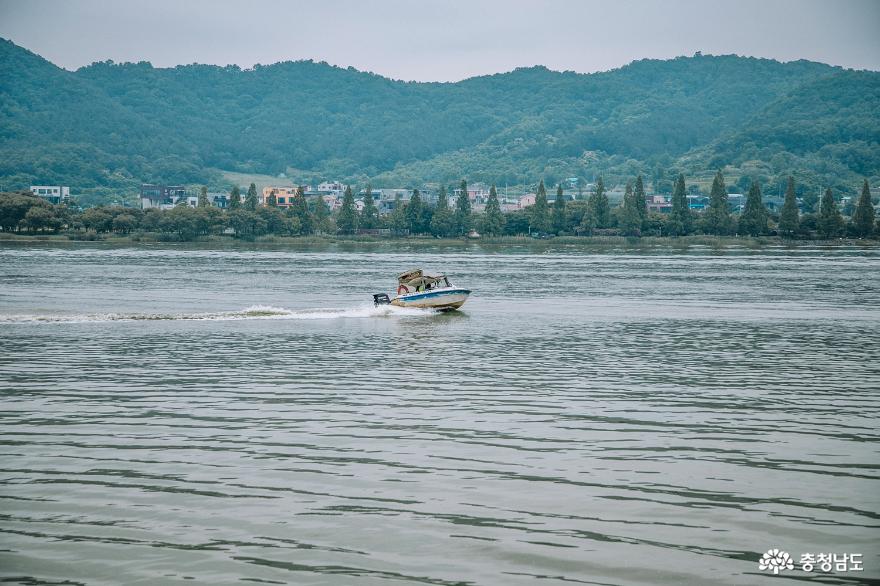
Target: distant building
[(697, 202), (429, 197), (476, 194), (376, 193), (658, 203), (388, 197), (405, 194), (551, 197), (162, 196), (330, 187), (283, 195), (52, 193), (219, 200), (526, 200), (334, 202), (736, 201)]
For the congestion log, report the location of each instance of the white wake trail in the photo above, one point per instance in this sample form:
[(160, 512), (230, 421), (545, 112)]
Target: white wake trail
[(254, 312)]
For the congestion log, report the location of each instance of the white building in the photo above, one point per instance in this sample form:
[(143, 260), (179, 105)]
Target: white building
[(52, 193), (161, 196), (332, 187)]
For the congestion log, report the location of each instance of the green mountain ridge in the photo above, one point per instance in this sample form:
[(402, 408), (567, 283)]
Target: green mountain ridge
[(108, 127)]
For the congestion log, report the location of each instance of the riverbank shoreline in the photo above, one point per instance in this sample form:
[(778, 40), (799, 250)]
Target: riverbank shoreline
[(585, 242)]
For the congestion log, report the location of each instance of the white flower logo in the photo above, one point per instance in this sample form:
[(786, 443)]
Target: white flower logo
[(775, 560)]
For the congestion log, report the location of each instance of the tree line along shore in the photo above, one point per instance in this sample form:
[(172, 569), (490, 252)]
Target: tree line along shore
[(25, 214)]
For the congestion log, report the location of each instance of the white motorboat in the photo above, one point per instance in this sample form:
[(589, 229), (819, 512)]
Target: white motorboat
[(415, 289)]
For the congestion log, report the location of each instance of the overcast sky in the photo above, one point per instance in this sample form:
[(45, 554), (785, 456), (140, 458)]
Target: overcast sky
[(442, 40)]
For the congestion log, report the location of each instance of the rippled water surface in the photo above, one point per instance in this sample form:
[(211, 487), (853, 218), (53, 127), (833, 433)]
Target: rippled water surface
[(590, 417)]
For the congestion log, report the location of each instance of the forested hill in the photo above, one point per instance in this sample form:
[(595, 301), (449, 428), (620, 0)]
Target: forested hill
[(116, 125)]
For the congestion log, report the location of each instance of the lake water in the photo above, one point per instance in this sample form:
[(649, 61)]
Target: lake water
[(661, 416)]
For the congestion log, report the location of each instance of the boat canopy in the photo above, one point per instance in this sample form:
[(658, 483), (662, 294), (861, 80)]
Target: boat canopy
[(417, 280), (409, 275)]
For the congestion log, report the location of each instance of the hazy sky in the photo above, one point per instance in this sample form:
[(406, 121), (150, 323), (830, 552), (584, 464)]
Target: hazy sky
[(442, 40)]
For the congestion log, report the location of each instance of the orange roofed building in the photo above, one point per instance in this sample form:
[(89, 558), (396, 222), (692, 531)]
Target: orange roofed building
[(284, 195)]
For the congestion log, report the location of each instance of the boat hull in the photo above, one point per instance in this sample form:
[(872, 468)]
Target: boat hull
[(443, 299)]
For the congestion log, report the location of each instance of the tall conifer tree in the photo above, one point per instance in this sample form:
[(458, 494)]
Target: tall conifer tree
[(789, 221), (680, 219), (347, 221), (251, 201), (463, 220), (863, 217), (302, 213), (322, 215), (493, 219), (830, 221), (598, 207), (414, 213), (369, 213), (718, 220), (540, 211), (442, 223), (397, 221), (203, 197), (753, 220), (559, 211), (630, 220), (235, 198), (641, 200)]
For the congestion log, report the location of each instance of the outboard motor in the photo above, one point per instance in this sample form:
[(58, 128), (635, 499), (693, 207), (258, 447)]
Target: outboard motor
[(381, 299)]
